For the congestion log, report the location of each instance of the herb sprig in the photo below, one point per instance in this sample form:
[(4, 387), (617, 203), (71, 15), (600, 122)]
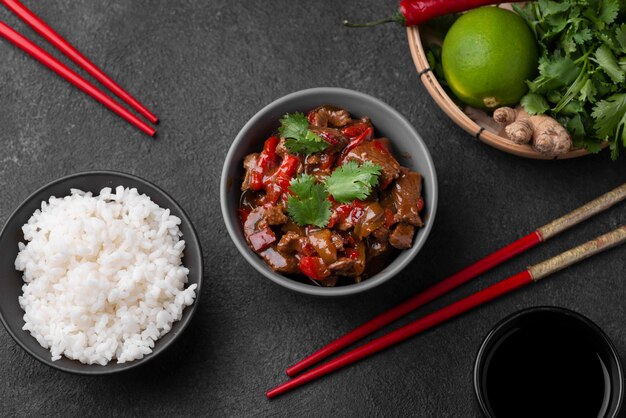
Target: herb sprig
[(309, 201), (351, 182), (298, 137), (582, 69)]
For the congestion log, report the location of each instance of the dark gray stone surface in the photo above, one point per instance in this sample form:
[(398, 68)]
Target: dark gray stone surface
[(205, 68)]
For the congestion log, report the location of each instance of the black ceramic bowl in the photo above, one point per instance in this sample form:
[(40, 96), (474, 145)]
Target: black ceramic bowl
[(552, 359), (11, 282)]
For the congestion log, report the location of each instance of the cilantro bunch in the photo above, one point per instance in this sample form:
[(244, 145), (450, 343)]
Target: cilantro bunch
[(582, 68)]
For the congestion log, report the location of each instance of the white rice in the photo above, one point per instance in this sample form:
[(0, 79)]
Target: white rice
[(103, 275)]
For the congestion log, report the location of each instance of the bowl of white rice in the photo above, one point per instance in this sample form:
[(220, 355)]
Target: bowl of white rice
[(100, 272)]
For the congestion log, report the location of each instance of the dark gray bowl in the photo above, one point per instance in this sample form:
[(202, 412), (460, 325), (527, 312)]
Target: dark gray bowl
[(407, 146), (11, 282)]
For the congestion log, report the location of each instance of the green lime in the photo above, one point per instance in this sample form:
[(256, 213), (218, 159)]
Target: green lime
[(487, 56)]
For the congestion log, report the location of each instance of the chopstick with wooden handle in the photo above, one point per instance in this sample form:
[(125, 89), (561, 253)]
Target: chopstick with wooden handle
[(523, 244), (68, 49), (532, 274), (68, 74)]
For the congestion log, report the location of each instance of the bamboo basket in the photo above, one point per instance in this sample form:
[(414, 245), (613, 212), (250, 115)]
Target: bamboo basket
[(474, 121)]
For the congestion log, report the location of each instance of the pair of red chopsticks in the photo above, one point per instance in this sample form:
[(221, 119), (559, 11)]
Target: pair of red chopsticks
[(528, 276), (61, 69)]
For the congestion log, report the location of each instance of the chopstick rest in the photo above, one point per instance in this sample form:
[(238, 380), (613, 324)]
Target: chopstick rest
[(526, 277), (68, 74), (68, 49), (523, 244)]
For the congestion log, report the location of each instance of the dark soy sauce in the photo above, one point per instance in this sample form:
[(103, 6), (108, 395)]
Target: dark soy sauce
[(546, 369)]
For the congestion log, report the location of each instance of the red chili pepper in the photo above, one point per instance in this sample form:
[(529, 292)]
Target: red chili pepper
[(279, 182), (288, 167), (355, 130), (267, 159), (314, 268), (416, 12), (366, 135)]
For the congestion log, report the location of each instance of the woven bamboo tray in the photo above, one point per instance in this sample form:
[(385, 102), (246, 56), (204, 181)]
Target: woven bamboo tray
[(476, 122)]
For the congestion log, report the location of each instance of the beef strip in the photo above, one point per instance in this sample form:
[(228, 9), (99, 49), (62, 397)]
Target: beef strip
[(377, 154), (281, 149), (324, 116), (343, 264), (275, 215), (291, 243), (330, 281), (406, 194), (337, 241), (402, 236), (249, 164), (381, 234), (315, 162), (334, 137)]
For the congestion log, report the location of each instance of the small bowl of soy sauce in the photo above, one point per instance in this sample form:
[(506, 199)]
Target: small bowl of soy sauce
[(548, 362)]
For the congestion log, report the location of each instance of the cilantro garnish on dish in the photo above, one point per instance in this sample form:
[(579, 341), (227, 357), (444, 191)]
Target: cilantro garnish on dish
[(308, 202), (353, 182), (298, 137)]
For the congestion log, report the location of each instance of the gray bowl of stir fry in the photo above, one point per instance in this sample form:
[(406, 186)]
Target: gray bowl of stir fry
[(328, 192)]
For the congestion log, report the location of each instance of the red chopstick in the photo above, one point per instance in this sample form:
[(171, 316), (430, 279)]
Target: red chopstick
[(59, 68), (523, 244), (62, 45), (532, 274)]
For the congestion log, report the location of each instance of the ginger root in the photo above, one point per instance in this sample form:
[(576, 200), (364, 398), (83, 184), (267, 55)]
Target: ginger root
[(544, 133)]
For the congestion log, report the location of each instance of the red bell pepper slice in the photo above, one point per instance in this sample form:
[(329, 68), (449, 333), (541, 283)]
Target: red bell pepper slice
[(314, 268), (267, 160)]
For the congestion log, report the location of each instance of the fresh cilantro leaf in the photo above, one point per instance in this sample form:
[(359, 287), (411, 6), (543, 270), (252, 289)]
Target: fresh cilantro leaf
[(554, 73), (576, 34), (610, 116), (588, 91), (607, 61), (620, 36), (308, 202), (550, 8), (353, 182), (582, 36), (572, 108), (572, 91), (575, 127), (534, 104), (298, 137), (608, 11)]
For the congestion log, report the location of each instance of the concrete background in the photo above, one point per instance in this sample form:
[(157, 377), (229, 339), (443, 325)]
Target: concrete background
[(205, 68)]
